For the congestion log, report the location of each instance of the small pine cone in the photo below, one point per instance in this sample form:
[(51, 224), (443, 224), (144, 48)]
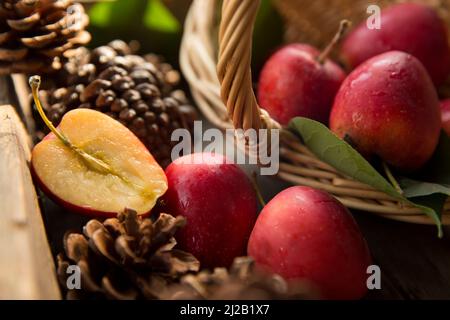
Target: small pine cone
[(242, 282), (35, 34), (125, 257), (137, 91)]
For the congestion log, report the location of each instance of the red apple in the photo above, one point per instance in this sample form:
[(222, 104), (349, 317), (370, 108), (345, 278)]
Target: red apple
[(411, 27), (293, 82), (92, 164), (389, 107), (445, 108), (219, 203), (306, 234)]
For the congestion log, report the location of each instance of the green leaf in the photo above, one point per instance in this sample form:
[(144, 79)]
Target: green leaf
[(158, 17), (100, 14), (339, 154), (413, 188)]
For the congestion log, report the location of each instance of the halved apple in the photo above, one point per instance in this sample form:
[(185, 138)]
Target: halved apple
[(92, 164)]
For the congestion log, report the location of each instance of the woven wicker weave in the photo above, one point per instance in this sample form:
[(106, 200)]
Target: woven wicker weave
[(229, 78)]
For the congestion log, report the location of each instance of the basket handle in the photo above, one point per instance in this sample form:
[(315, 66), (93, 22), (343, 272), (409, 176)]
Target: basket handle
[(233, 68)]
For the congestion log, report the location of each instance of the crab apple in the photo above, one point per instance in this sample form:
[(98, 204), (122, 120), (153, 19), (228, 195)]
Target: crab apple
[(219, 202), (388, 107), (410, 27), (300, 81), (306, 234)]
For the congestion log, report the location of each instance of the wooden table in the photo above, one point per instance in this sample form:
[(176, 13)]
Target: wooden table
[(415, 264)]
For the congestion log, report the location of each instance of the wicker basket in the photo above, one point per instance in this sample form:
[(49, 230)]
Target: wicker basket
[(307, 21), (230, 78)]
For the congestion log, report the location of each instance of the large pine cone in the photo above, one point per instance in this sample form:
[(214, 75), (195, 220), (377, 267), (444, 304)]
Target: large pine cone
[(35, 34), (127, 257), (243, 281), (137, 91)]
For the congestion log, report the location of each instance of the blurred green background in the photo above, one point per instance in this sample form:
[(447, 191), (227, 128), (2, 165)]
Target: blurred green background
[(158, 26)]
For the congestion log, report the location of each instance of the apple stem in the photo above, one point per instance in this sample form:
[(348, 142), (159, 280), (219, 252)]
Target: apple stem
[(35, 83), (343, 27), (94, 163), (257, 189), (391, 178)]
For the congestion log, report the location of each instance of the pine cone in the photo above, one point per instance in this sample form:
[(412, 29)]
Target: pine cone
[(137, 91), (242, 282), (35, 34), (125, 257)]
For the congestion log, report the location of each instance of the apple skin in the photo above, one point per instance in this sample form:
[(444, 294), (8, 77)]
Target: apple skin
[(389, 107), (293, 83), (306, 234), (410, 27), (219, 203), (445, 108), (85, 211)]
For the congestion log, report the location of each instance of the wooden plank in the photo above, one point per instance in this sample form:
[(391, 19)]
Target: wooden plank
[(23, 94), (27, 268)]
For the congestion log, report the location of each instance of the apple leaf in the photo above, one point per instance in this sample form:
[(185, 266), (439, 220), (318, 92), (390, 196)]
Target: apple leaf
[(339, 154), (412, 188)]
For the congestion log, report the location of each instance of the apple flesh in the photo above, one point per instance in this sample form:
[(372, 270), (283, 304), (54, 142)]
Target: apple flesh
[(219, 203), (410, 27), (445, 108), (294, 83), (72, 182), (305, 234), (389, 107)]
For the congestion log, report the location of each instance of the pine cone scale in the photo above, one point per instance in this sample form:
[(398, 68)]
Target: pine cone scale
[(24, 24), (39, 30), (91, 227), (102, 242), (76, 247), (39, 42), (126, 253), (13, 55)]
